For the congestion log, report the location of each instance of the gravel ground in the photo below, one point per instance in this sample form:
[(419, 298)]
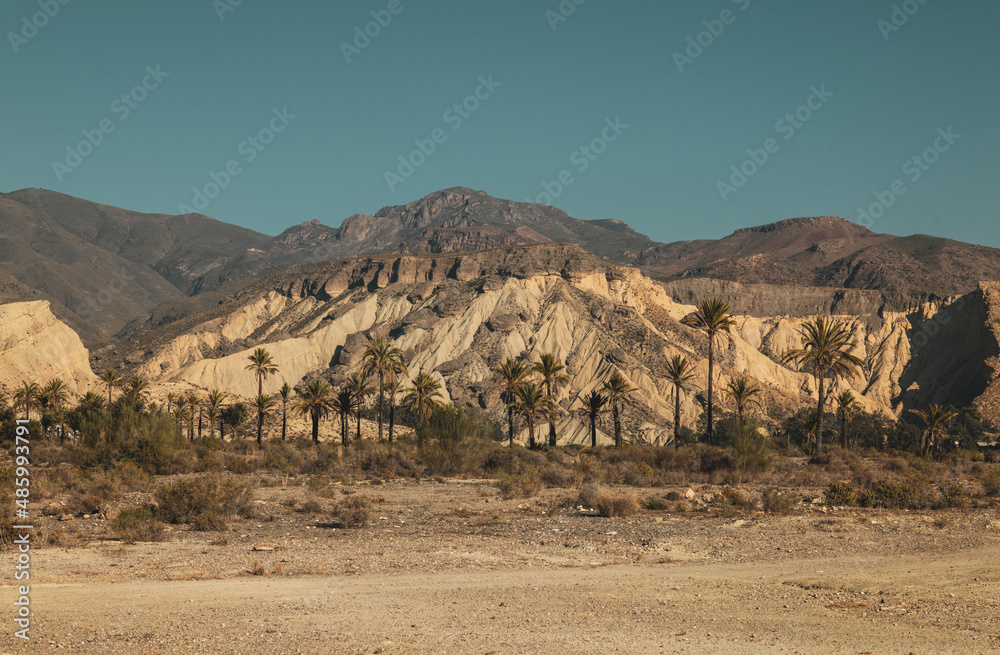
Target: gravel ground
[(452, 568)]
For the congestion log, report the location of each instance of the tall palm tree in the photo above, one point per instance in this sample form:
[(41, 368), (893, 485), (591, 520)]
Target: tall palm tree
[(171, 398), (181, 412), (512, 374), (381, 358), (315, 400), (343, 404), (423, 397), (550, 370), (936, 418), (744, 393), (284, 394), (845, 403), (26, 396), (110, 379), (395, 378), (618, 391), (593, 404), (194, 407), (53, 396), (533, 403), (680, 372), (826, 346), (360, 390), (262, 366), (214, 402), (263, 403), (712, 317)]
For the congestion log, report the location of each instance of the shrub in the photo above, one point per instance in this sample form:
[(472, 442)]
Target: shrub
[(311, 506), (893, 495), (778, 502), (639, 474), (733, 499), (353, 511), (953, 494), (841, 493), (682, 506), (589, 493), (657, 504), (205, 502), (990, 479), (673, 495), (132, 525), (751, 454), (557, 475), (524, 483), (617, 505)]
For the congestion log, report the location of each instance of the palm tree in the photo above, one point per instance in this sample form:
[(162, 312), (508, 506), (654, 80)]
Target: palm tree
[(712, 317), (744, 393), (532, 403), (936, 418), (381, 358), (343, 404), (618, 391), (181, 412), (550, 370), (512, 374), (396, 375), (285, 394), (194, 405), (26, 396), (680, 372), (315, 401), (262, 367), (360, 390), (826, 345), (53, 396), (137, 388), (171, 398), (263, 403), (593, 405), (845, 403), (423, 397), (110, 379), (214, 402)]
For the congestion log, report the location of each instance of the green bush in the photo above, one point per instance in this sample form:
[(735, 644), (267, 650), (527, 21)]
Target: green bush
[(841, 494), (893, 495), (751, 453), (132, 525), (353, 512), (525, 482)]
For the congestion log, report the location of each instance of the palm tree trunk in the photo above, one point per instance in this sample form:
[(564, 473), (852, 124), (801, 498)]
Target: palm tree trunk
[(618, 425), (315, 419), (843, 430), (381, 402), (819, 412), (510, 425), (677, 418), (284, 421), (343, 428), (359, 424), (531, 433), (392, 417), (200, 416), (710, 369), (260, 426), (593, 431)]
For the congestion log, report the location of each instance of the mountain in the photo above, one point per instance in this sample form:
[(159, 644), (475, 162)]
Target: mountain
[(458, 316), (100, 266), (830, 252)]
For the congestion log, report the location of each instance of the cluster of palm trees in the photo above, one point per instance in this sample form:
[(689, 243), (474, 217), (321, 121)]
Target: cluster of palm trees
[(528, 390)]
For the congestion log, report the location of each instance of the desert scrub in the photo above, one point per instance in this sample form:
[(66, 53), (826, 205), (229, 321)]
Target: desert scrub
[(617, 505), (524, 482), (657, 504), (841, 493), (731, 500), (589, 494), (139, 524), (205, 502), (953, 495), (776, 501), (895, 495), (353, 512)]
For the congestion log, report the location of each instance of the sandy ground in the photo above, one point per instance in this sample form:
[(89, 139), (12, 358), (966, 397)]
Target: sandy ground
[(451, 568)]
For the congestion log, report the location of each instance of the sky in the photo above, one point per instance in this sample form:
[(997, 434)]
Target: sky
[(686, 120)]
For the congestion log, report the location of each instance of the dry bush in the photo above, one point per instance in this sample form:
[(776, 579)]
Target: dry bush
[(257, 569), (617, 505), (353, 512), (989, 477), (953, 495), (205, 502), (657, 504), (673, 495), (562, 477), (778, 502), (140, 524), (525, 482), (589, 493), (733, 500), (682, 506), (841, 494), (311, 506)]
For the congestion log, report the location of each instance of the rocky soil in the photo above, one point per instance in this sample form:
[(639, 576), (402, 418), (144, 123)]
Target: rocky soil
[(453, 568)]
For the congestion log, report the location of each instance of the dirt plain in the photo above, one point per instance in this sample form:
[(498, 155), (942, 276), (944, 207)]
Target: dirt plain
[(450, 567)]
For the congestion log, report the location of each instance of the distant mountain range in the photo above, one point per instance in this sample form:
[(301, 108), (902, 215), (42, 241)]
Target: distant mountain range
[(110, 272)]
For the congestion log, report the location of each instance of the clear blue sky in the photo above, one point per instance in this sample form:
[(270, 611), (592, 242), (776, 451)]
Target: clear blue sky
[(892, 90)]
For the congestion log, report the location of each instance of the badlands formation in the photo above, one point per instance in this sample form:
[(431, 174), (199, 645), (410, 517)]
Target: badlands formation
[(459, 315)]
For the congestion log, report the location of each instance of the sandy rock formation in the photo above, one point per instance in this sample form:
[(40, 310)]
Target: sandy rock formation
[(36, 346)]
